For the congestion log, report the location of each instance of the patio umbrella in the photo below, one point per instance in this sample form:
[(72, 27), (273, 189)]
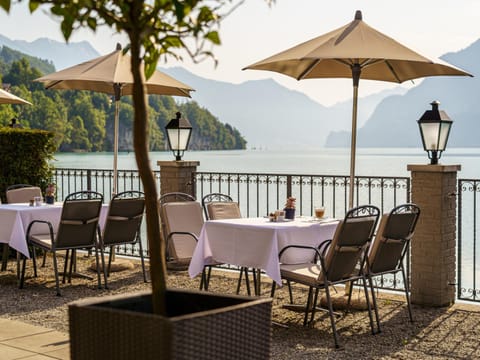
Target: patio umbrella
[(112, 74), (355, 51), (7, 98)]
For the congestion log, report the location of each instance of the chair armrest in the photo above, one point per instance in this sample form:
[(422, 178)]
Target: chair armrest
[(50, 227), (169, 236), (323, 247), (317, 253)]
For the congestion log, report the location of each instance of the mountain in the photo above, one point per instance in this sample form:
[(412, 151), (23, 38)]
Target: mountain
[(270, 115), (266, 113), (61, 54), (394, 121)]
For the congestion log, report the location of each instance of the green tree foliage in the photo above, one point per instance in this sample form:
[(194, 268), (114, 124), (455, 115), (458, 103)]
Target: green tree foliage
[(24, 157), (155, 29), (8, 56), (61, 112)]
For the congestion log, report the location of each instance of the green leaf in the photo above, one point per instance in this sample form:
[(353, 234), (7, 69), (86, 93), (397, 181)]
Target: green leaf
[(214, 37), (151, 63), (33, 5), (67, 27), (92, 23), (5, 4)]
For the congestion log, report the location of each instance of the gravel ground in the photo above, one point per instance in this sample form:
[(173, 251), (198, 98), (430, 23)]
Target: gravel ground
[(436, 333)]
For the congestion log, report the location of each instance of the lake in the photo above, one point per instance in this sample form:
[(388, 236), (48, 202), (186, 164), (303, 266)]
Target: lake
[(321, 161), (370, 162)]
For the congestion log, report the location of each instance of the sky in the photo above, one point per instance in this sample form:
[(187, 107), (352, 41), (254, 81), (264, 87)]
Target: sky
[(255, 31)]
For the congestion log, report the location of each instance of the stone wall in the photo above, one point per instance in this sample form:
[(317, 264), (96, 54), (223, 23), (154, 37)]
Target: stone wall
[(433, 247)]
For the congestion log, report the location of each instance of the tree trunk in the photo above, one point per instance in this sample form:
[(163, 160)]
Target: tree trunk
[(158, 269)]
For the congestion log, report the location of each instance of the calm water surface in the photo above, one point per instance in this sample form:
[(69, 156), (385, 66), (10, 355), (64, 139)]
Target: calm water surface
[(376, 162)]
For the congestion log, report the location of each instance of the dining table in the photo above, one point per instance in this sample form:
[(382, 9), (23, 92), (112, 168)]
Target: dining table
[(15, 218), (256, 242)]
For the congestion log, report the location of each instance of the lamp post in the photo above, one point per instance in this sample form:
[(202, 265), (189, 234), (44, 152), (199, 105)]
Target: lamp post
[(178, 134), (434, 128)]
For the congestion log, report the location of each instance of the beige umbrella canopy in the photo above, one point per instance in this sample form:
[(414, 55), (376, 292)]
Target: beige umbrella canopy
[(7, 98), (355, 51), (112, 74)]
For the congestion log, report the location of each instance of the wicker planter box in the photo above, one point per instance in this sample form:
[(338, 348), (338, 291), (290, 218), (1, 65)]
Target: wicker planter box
[(199, 325)]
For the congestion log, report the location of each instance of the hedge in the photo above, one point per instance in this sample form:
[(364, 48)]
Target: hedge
[(24, 157)]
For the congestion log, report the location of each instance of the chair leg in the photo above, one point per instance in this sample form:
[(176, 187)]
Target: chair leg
[(34, 259), (365, 289), (243, 269), (375, 306), (55, 269), (97, 262), (314, 305), (255, 273), (73, 265), (65, 266), (239, 282), (332, 319), (110, 256), (44, 258), (22, 276), (104, 270), (272, 292), (307, 307), (290, 293), (350, 291), (142, 259), (407, 292), (247, 279)]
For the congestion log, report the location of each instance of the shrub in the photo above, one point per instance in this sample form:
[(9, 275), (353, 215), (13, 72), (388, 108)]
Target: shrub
[(24, 157)]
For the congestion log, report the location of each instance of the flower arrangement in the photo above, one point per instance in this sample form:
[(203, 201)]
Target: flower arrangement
[(50, 194), (290, 203), (290, 208), (50, 191)]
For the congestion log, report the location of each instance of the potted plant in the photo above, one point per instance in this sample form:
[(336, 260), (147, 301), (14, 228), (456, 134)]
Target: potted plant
[(50, 194), (169, 324), (290, 208)]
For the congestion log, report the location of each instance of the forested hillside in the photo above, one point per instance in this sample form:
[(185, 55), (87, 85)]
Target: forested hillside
[(83, 120)]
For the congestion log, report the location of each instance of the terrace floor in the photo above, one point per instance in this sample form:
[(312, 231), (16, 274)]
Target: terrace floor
[(34, 322)]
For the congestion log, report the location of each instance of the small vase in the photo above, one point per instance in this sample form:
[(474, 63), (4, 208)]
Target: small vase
[(289, 213), (49, 199)]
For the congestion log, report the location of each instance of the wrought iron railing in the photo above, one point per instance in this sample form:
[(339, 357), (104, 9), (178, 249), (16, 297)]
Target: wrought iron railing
[(257, 194), (101, 180), (468, 259)]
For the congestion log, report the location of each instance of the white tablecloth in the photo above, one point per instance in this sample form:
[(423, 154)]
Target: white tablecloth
[(14, 220), (256, 242)]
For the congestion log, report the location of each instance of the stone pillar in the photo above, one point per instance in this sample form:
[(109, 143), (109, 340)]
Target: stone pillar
[(176, 176), (433, 247)]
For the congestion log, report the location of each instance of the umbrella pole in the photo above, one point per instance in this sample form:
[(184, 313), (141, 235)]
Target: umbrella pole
[(115, 147), (356, 71)]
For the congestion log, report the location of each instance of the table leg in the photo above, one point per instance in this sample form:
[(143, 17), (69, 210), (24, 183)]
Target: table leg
[(5, 252), (257, 273)]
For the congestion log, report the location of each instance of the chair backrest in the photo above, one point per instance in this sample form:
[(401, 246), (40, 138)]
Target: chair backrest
[(171, 197), (187, 217), (79, 220), (214, 198), (219, 206), (176, 197), (22, 193), (124, 218), (393, 238), (223, 210), (346, 254)]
